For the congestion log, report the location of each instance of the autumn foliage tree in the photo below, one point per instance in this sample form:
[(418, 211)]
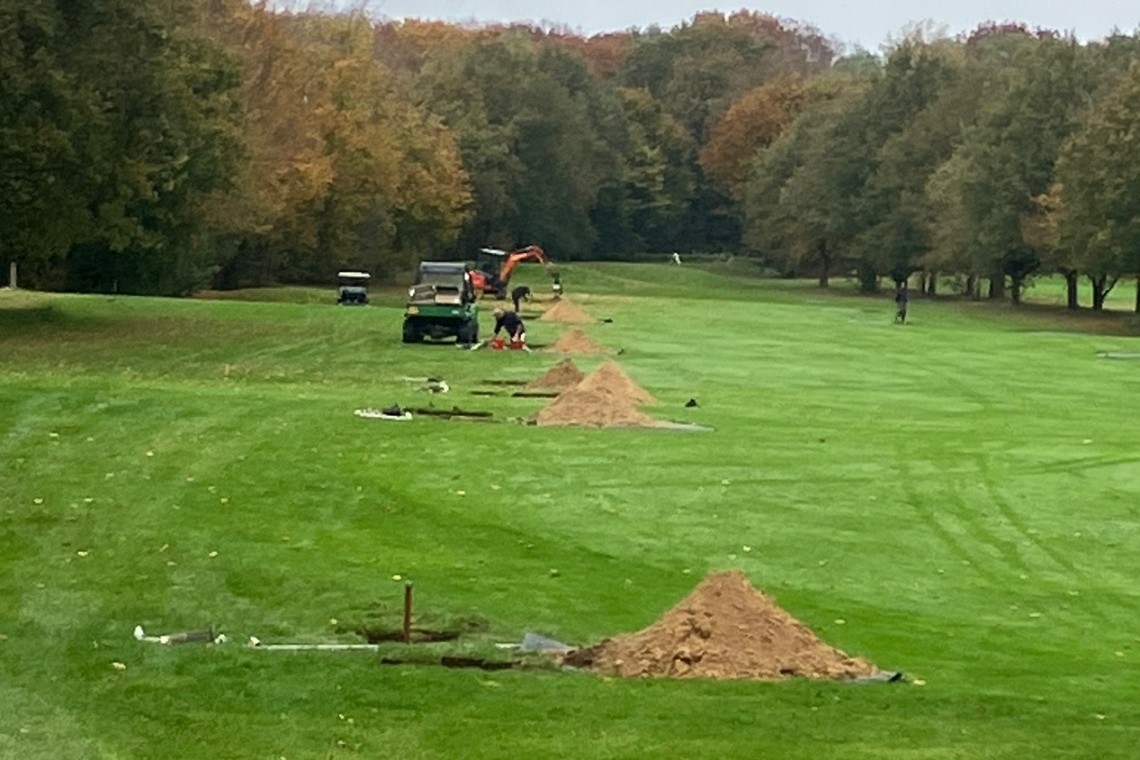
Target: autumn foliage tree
[(163, 146), (752, 123), (343, 169), (1098, 213), (119, 123)]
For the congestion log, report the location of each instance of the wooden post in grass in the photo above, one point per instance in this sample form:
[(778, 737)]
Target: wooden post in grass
[(408, 612)]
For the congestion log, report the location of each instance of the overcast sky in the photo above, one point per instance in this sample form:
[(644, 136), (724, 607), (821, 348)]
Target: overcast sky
[(868, 23)]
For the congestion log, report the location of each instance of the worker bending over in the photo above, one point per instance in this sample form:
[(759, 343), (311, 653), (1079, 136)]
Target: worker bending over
[(512, 323)]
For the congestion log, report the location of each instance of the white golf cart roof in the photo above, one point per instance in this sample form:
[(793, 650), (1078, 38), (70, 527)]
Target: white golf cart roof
[(494, 251), (354, 275)]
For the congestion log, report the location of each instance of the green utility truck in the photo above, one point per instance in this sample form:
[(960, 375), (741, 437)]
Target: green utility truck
[(442, 304)]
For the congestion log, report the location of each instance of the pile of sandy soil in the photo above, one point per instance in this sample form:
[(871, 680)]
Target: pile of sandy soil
[(565, 374), (576, 342), (600, 407), (610, 375), (567, 313), (607, 397), (724, 629)]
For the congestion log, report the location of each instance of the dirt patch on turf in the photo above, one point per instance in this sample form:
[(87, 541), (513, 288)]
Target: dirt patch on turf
[(567, 313), (577, 342), (607, 397), (725, 628), (561, 376)]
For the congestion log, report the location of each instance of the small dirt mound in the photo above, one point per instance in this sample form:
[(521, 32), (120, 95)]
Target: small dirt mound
[(613, 377), (597, 407), (566, 313), (561, 376), (724, 629), (577, 342)]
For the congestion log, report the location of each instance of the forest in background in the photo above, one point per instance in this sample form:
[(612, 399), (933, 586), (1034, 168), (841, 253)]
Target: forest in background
[(164, 146)]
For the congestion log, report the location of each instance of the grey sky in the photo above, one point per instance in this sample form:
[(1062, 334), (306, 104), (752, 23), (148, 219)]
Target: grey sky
[(868, 23)]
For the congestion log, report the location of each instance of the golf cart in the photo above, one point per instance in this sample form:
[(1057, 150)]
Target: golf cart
[(442, 304), (352, 288)]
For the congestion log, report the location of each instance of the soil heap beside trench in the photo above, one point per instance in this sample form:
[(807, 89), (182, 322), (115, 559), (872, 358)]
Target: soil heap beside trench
[(565, 374), (566, 313), (601, 407), (576, 342), (611, 375), (607, 397), (725, 628)]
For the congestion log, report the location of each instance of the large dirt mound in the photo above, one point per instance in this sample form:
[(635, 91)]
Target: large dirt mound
[(598, 407), (724, 629), (566, 313), (607, 397), (565, 374), (610, 375), (577, 342)]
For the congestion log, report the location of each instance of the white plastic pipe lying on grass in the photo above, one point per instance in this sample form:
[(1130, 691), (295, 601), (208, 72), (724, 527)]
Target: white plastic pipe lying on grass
[(255, 643), (375, 414), (185, 637)]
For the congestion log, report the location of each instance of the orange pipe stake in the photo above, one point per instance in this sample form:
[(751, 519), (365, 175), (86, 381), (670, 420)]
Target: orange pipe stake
[(408, 612)]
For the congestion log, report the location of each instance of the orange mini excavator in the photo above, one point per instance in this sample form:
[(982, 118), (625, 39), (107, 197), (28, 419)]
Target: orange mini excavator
[(493, 268)]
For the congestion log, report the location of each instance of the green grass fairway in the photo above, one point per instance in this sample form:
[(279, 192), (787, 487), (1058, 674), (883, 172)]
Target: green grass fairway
[(963, 493)]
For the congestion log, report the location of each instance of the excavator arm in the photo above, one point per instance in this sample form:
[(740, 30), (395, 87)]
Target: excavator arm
[(522, 255), (487, 280)]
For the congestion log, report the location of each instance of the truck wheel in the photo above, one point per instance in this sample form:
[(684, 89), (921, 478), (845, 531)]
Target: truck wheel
[(411, 334), (468, 333)]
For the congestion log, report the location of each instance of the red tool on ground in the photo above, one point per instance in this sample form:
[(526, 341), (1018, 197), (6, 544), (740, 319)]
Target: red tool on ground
[(501, 344)]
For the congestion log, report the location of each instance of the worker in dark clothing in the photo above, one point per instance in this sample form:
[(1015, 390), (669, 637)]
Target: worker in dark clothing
[(512, 323), (901, 299), (521, 293), (556, 286)]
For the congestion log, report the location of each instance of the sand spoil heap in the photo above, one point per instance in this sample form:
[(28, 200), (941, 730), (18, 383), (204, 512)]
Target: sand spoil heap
[(724, 629), (566, 313), (611, 375), (565, 374), (577, 342), (593, 408), (607, 397)]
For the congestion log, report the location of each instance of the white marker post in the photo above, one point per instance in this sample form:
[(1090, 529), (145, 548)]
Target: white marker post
[(12, 276)]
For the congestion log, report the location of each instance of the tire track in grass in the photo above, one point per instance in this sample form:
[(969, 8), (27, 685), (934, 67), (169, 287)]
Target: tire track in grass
[(1010, 515), (1008, 551), (1002, 505), (929, 518), (1005, 550), (1078, 465), (971, 519)]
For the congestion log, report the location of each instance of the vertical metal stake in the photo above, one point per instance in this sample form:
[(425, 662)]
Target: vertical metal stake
[(408, 612)]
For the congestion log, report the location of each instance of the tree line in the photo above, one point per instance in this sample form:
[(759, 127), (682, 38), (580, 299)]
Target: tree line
[(995, 158), (162, 146)]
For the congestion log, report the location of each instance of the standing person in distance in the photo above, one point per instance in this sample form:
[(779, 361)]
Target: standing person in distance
[(902, 297), (521, 293)]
